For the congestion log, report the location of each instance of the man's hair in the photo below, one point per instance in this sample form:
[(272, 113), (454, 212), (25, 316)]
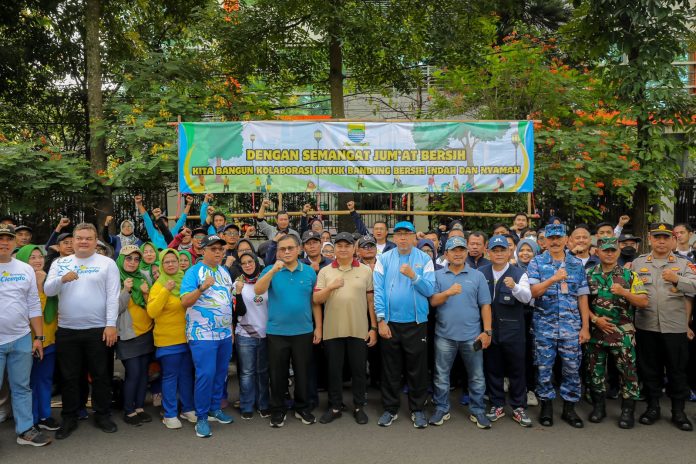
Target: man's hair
[(381, 222), (684, 225), (514, 237), (292, 237), (478, 233), (433, 232), (85, 226), (281, 211), (8, 218), (521, 214), (603, 224), (581, 226), (500, 224), (218, 213)]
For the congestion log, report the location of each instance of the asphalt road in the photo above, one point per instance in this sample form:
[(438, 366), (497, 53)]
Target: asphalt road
[(457, 441)]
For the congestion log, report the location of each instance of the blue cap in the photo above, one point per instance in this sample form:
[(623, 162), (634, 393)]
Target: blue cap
[(404, 225), (497, 241), (455, 242), (555, 230)]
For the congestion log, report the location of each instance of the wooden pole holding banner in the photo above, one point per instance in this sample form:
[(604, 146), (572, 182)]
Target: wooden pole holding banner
[(280, 201), (376, 211), (529, 204)]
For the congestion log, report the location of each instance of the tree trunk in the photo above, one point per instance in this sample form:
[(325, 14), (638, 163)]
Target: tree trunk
[(97, 142), (344, 223)]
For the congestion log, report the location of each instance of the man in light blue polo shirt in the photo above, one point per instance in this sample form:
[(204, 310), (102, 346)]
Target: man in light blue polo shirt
[(463, 303), (290, 332)]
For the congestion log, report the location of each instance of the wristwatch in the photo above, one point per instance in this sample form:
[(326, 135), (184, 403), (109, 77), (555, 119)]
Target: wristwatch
[(379, 319), (40, 338), (372, 327), (488, 332), (593, 319)]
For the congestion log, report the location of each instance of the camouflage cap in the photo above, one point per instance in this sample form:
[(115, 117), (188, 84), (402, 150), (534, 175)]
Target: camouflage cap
[(608, 243)]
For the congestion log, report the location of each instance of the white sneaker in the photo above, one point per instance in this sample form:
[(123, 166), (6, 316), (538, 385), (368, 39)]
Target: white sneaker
[(189, 416), (172, 422), (532, 399), (157, 400)]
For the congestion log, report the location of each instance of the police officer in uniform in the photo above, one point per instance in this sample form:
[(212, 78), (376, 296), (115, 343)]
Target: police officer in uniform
[(661, 328), (561, 322), (505, 357)]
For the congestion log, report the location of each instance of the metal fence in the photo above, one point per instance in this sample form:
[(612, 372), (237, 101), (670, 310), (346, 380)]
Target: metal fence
[(685, 202)]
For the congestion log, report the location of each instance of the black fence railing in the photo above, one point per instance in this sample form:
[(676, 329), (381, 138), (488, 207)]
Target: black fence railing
[(685, 202)]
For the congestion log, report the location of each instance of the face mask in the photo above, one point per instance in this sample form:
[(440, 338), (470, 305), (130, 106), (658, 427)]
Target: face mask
[(628, 252)]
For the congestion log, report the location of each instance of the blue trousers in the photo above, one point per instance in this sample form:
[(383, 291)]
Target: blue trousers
[(177, 377), (445, 352), (42, 384), (210, 358), (16, 356), (252, 359), (546, 350)]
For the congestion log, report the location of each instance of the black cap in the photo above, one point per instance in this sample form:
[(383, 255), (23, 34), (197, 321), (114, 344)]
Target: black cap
[(310, 235), (603, 224), (7, 229), (365, 239), (211, 239), (27, 228), (661, 228), (344, 237), (63, 236), (627, 237), (456, 225), (199, 230), (231, 226)]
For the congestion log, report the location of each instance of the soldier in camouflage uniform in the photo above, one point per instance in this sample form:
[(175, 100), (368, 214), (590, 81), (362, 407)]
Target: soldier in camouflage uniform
[(613, 293), (561, 322)]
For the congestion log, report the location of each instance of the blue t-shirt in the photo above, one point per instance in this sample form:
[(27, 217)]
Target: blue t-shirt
[(459, 318), (210, 317), (290, 300)]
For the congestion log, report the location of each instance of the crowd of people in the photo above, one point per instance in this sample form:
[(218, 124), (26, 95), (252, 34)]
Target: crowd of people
[(513, 316)]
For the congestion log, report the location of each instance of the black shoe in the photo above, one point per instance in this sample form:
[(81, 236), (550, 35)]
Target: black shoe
[(134, 420), (265, 413), (247, 415), (277, 419), (48, 424), (599, 409), (66, 428), (360, 416), (306, 417), (570, 416), (681, 421), (546, 414), (144, 417), (652, 414), (330, 415), (627, 419), (105, 423)]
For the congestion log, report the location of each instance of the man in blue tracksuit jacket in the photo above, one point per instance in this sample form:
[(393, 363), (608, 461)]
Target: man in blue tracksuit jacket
[(404, 278)]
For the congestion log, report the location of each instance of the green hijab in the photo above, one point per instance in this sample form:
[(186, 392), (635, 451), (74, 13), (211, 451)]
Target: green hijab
[(176, 277), (137, 276), (190, 258), (51, 307), (147, 268)]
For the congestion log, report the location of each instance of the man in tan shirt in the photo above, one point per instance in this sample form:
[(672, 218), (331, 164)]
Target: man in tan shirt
[(662, 331), (349, 327)]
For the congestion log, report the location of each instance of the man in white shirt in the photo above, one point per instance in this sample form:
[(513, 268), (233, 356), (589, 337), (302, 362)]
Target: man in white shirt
[(88, 286), (20, 311)]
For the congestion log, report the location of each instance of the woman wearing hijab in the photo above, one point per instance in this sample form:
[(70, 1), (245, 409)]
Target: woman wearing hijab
[(135, 341), (164, 306), (243, 246), (327, 250), (525, 251), (150, 261), (185, 260), (252, 317), (125, 236), (41, 381)]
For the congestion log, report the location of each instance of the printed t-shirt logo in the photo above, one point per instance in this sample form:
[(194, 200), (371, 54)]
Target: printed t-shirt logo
[(9, 277)]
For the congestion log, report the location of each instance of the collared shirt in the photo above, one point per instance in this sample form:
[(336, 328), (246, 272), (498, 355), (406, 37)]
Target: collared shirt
[(210, 317), (666, 312), (459, 318), (476, 263), (345, 311), (290, 300)]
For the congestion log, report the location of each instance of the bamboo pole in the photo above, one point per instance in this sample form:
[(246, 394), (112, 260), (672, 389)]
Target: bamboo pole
[(383, 212)]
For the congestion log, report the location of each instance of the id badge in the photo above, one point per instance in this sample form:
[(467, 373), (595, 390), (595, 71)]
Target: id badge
[(564, 287)]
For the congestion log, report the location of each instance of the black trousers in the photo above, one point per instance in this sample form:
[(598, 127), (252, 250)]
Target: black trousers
[(406, 351), (355, 350), (78, 348), (281, 349), (506, 360), (657, 352)]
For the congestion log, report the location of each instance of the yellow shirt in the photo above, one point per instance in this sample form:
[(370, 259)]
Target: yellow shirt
[(169, 316), (49, 330), (142, 322)]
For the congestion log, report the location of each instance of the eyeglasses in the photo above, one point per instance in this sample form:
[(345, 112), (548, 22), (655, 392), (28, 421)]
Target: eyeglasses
[(247, 263), (403, 234), (231, 234), (216, 249), (135, 259), (287, 249), (367, 247), (199, 236)]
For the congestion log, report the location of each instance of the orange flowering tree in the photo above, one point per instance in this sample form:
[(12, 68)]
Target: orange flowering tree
[(584, 146)]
